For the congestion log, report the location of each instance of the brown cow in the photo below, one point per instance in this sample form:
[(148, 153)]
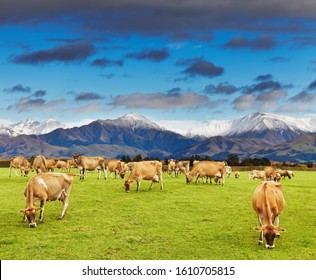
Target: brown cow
[(21, 163), (51, 164), (40, 164), (115, 166), (71, 164), (90, 163), (46, 187), (63, 165), (147, 170), (268, 202), (209, 169)]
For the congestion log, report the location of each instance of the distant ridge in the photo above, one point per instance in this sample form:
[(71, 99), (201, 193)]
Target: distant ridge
[(256, 135)]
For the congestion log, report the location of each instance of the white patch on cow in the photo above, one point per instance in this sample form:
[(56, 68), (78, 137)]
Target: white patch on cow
[(42, 182)]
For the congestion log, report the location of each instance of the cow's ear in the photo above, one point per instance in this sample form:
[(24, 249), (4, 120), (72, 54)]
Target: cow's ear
[(258, 228), (281, 229), (22, 211)]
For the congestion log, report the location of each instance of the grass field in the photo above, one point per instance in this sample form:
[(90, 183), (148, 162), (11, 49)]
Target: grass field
[(182, 222)]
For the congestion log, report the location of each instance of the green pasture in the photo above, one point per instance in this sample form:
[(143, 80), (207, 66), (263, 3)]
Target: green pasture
[(182, 222)]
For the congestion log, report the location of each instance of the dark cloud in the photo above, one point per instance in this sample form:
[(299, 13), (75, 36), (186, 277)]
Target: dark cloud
[(261, 43), (150, 54), (303, 97), (30, 104), (104, 62), (222, 88), (263, 77), (200, 67), (264, 101), (18, 88), (161, 101), (312, 85), (164, 16), (264, 86), (279, 59), (87, 96), (65, 53), (39, 93)]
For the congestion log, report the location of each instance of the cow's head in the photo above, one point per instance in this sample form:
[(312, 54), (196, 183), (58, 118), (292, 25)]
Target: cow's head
[(189, 178), (269, 233), (75, 157), (30, 213), (127, 185), (122, 174)]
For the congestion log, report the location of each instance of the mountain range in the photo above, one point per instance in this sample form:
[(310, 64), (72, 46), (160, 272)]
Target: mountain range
[(256, 135)]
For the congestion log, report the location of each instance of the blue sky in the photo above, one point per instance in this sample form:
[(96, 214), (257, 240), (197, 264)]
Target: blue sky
[(180, 63)]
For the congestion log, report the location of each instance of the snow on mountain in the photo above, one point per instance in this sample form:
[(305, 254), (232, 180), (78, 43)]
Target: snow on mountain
[(256, 122), (30, 127), (133, 121)]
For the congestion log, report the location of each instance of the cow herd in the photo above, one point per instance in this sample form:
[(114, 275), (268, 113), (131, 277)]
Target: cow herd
[(268, 201)]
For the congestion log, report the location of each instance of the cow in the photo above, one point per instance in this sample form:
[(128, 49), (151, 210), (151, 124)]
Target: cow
[(228, 171), (70, 164), (172, 167), (21, 163), (46, 187), (90, 164), (256, 174), (116, 166), (237, 174), (51, 164), (40, 164), (210, 169), (145, 170), (283, 173), (63, 165), (270, 173), (268, 202), (184, 166)]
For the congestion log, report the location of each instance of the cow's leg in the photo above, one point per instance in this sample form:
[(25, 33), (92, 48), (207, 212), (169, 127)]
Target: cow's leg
[(10, 171), (82, 173), (65, 203), (197, 178), (261, 232), (42, 204), (99, 173), (277, 221), (161, 183), (105, 171), (138, 185)]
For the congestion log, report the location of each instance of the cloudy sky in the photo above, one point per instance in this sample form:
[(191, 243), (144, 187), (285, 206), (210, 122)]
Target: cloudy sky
[(177, 62)]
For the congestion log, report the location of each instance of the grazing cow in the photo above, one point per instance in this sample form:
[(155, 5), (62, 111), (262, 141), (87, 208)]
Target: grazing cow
[(172, 167), (256, 174), (40, 164), (184, 166), (237, 174), (146, 170), (51, 164), (270, 173), (71, 164), (90, 164), (268, 202), (63, 165), (46, 187), (209, 169), (284, 173), (115, 166), (228, 171), (21, 163)]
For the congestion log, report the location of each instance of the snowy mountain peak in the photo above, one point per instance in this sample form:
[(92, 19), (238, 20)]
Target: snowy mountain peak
[(137, 121), (29, 127), (255, 122)]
